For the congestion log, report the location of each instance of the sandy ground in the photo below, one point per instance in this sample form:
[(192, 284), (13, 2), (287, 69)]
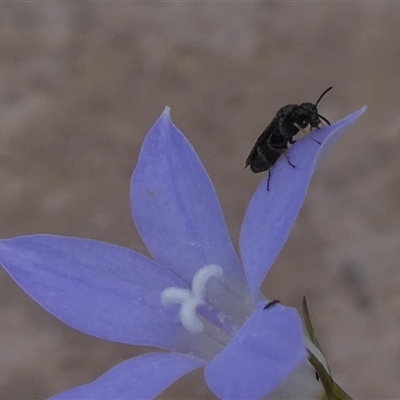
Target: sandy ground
[(80, 85)]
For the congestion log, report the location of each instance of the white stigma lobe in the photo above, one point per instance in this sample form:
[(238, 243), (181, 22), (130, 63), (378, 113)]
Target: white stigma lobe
[(191, 299)]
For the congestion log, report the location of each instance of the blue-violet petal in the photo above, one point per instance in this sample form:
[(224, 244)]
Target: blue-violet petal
[(264, 352), (175, 207), (140, 378), (98, 288)]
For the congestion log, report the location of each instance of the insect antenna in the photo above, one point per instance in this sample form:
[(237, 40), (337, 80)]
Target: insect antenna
[(323, 94), (324, 119)]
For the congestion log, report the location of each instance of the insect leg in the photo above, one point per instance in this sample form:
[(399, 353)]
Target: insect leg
[(270, 304), (269, 178), (287, 159), (315, 140), (306, 133)]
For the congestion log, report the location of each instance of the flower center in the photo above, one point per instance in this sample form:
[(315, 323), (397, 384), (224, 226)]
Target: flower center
[(191, 299)]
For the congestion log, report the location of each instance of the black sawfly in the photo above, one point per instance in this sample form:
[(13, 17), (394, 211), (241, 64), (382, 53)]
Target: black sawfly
[(276, 137)]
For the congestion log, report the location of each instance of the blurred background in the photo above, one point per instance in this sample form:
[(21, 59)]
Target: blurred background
[(82, 82)]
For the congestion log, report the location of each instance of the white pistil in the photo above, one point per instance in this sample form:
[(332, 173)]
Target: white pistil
[(191, 299)]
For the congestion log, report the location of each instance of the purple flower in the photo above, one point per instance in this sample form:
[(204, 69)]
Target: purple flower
[(197, 299)]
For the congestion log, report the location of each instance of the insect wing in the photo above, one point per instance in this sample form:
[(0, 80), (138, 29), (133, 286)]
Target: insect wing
[(261, 141)]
